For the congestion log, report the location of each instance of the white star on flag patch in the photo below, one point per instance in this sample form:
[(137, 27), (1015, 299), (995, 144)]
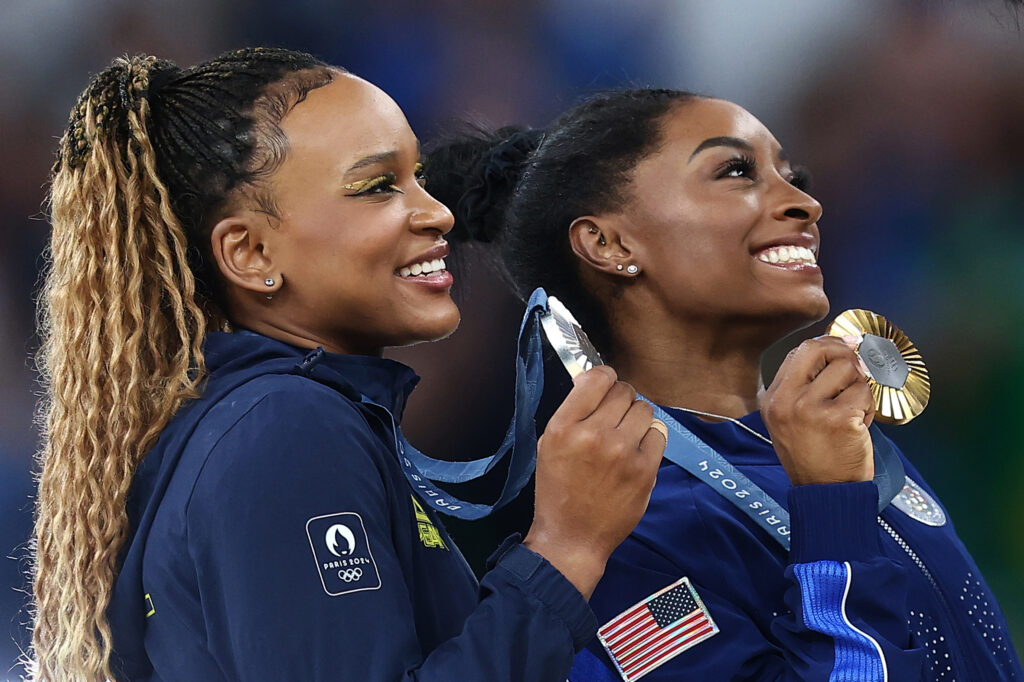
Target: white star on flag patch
[(659, 628)]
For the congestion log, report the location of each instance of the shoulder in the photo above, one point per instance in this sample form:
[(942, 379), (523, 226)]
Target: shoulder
[(286, 435), (280, 405)]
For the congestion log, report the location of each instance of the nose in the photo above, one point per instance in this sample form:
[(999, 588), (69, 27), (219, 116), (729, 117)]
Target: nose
[(796, 204), (430, 214)]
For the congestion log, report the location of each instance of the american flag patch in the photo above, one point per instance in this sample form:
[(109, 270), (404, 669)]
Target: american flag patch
[(664, 625)]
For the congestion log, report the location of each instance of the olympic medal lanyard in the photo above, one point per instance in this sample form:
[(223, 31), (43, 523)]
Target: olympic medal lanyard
[(520, 440), (686, 450)]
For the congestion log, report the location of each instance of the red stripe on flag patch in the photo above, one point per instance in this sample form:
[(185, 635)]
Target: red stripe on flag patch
[(657, 629)]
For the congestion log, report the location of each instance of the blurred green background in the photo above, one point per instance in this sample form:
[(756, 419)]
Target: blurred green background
[(909, 115)]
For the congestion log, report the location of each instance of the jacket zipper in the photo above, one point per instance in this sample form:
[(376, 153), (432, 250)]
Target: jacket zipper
[(957, 657)]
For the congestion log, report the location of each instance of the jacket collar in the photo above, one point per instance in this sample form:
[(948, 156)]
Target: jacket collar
[(384, 382)]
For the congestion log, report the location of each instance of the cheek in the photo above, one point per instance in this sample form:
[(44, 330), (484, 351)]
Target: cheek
[(345, 242)]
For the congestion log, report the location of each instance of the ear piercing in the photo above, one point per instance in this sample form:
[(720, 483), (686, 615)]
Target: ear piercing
[(633, 268), (269, 281), (600, 240)]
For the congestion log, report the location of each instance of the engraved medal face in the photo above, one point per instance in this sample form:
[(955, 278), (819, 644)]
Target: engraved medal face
[(564, 334), (899, 379), (919, 505)]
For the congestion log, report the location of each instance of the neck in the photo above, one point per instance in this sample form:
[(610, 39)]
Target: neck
[(707, 365)]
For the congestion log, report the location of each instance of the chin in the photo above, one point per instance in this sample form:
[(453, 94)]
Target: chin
[(434, 329)]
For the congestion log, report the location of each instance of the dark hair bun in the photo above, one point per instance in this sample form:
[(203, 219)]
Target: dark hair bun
[(475, 173)]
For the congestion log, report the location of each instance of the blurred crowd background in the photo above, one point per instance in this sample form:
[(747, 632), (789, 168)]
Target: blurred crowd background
[(909, 114)]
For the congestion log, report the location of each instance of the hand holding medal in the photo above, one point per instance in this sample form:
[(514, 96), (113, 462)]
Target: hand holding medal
[(596, 461), (897, 375)]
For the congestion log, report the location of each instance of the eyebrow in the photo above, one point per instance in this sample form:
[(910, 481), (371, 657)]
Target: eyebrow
[(371, 160), (722, 142), (382, 157)]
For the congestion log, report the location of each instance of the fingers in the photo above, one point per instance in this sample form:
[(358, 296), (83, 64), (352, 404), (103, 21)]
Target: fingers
[(619, 401), (841, 373), (588, 393), (654, 441), (637, 419), (857, 396), (808, 359)]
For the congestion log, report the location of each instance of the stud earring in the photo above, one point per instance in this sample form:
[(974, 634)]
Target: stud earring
[(269, 282), (619, 266), (633, 268)]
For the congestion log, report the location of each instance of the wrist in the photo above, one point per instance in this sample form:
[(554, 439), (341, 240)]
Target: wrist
[(581, 564)]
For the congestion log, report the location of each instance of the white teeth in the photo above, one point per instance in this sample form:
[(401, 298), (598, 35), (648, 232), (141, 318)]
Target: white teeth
[(787, 254), (424, 268)]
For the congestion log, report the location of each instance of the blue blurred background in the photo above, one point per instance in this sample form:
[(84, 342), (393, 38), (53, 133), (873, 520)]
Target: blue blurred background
[(910, 115)]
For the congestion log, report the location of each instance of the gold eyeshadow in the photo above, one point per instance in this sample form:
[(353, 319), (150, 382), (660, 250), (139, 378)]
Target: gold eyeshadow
[(387, 179), (370, 183)]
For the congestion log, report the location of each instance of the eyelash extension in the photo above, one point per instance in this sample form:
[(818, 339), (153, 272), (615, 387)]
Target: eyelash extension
[(746, 164), (382, 183), (799, 177), (419, 172), (371, 184)]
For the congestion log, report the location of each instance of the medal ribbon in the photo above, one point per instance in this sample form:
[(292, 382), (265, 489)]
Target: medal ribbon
[(686, 450), (520, 439)]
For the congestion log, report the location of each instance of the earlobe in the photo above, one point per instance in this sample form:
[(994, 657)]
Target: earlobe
[(598, 243), (241, 255)]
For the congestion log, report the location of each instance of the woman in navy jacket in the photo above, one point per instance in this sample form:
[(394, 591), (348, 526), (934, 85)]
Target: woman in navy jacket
[(678, 232), (230, 505)]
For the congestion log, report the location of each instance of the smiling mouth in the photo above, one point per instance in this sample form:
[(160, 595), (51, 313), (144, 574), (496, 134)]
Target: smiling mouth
[(425, 268), (783, 256)]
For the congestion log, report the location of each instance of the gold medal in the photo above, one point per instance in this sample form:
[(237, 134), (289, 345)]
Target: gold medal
[(898, 377), (568, 339)]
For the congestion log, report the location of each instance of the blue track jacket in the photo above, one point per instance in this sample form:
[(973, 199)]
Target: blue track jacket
[(859, 597), (274, 537)]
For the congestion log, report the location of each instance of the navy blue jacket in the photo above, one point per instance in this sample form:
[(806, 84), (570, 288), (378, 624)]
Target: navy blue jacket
[(857, 597), (275, 537)]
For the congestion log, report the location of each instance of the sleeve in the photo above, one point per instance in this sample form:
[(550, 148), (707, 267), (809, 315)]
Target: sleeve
[(290, 529), (837, 611)]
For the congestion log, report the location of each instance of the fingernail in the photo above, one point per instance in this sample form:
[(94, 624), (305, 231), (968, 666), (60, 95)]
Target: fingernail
[(853, 340), (660, 427)]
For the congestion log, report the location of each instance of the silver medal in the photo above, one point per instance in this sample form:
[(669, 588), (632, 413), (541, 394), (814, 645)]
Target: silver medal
[(919, 505), (564, 334)]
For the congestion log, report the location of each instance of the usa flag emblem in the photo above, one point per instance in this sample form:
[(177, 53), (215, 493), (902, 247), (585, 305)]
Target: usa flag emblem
[(659, 628)]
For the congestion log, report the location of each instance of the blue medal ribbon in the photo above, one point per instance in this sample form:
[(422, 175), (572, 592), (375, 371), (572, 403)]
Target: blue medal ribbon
[(684, 449), (689, 452), (520, 440)]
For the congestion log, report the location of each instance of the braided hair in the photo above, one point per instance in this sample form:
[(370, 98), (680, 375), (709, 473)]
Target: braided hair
[(151, 156), (520, 189)]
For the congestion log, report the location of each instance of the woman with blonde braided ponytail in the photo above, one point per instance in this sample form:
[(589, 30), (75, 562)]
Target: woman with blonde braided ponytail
[(233, 245)]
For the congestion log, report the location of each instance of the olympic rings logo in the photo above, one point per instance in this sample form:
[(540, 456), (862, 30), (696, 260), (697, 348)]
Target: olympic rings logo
[(350, 574)]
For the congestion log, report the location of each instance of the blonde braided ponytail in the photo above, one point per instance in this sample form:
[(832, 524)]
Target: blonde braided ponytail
[(122, 332)]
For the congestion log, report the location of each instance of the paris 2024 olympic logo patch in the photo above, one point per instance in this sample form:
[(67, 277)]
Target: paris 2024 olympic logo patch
[(341, 549)]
